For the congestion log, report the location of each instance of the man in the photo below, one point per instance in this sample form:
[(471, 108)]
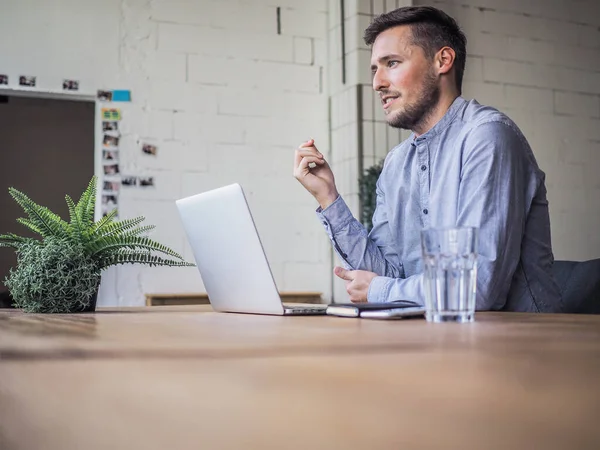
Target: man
[(463, 165)]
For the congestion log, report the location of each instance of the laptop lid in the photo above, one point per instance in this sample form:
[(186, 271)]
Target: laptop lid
[(228, 252)]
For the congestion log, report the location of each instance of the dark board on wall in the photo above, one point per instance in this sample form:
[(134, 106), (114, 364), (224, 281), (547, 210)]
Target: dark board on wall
[(47, 151)]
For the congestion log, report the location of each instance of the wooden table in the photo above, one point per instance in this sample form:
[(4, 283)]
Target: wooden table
[(185, 377)]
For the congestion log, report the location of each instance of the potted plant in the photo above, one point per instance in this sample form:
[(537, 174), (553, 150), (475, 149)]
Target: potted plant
[(367, 184), (60, 273)]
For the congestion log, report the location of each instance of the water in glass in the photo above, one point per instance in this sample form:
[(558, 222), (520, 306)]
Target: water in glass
[(450, 265), (450, 283)]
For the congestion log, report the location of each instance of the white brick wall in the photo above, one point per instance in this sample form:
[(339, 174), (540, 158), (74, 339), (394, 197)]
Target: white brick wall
[(58, 51), (574, 104), (496, 22), (226, 98), (218, 90), (529, 99), (539, 61), (168, 66), (292, 77)]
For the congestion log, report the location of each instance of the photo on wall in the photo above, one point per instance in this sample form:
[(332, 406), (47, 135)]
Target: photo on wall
[(28, 81), (70, 85), (111, 187), (146, 181), (110, 141), (104, 96), (111, 156), (109, 203), (149, 149), (128, 180), (3, 79), (110, 126), (111, 169)]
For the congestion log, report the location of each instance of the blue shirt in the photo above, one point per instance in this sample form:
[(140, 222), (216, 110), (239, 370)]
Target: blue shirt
[(473, 168)]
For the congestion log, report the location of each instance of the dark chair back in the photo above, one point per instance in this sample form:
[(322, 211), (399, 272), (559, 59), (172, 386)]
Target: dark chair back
[(579, 283)]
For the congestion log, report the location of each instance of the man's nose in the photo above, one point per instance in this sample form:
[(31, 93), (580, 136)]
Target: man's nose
[(380, 81)]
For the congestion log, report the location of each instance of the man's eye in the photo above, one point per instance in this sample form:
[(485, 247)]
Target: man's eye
[(392, 63)]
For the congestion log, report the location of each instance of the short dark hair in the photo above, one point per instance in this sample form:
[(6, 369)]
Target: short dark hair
[(431, 29)]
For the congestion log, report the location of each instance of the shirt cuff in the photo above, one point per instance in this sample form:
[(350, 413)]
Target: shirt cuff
[(379, 289), (336, 216)]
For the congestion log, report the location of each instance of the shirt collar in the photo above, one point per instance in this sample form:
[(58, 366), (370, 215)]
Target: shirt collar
[(443, 123)]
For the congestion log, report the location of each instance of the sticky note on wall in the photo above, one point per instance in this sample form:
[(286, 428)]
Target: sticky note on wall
[(111, 114), (121, 96)]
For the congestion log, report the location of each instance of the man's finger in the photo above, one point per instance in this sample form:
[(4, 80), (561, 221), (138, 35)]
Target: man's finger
[(309, 143), (309, 151), (344, 274), (304, 151), (297, 158), (304, 166)]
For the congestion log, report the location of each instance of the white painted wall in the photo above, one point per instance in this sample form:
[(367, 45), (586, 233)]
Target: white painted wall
[(227, 99), (217, 89)]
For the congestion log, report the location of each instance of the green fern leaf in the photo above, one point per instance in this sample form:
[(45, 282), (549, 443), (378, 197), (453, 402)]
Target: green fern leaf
[(77, 227), (86, 204), (110, 244), (136, 257), (99, 226), (29, 224), (13, 240), (139, 230), (119, 227), (48, 223)]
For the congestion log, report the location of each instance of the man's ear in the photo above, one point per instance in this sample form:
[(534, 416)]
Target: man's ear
[(444, 59)]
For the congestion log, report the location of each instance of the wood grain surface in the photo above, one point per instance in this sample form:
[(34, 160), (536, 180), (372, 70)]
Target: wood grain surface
[(185, 377)]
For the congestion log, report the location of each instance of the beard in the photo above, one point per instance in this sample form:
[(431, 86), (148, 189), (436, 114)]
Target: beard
[(412, 116)]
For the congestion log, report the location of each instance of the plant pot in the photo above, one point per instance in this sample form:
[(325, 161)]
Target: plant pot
[(91, 307)]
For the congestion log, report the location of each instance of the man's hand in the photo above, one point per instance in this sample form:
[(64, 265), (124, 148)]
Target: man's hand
[(317, 180), (358, 282)]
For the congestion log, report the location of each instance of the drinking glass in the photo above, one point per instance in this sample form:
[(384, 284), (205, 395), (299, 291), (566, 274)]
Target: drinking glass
[(450, 263)]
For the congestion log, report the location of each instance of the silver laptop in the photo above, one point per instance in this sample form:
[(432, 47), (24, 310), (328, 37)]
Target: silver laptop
[(229, 255)]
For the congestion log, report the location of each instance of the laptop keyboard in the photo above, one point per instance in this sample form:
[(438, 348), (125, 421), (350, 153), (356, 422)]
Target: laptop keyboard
[(305, 309)]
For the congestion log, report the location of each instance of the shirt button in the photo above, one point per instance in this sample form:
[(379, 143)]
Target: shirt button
[(425, 211), (325, 223), (423, 167)]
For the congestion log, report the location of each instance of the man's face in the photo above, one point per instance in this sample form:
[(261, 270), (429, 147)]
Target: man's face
[(404, 78)]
